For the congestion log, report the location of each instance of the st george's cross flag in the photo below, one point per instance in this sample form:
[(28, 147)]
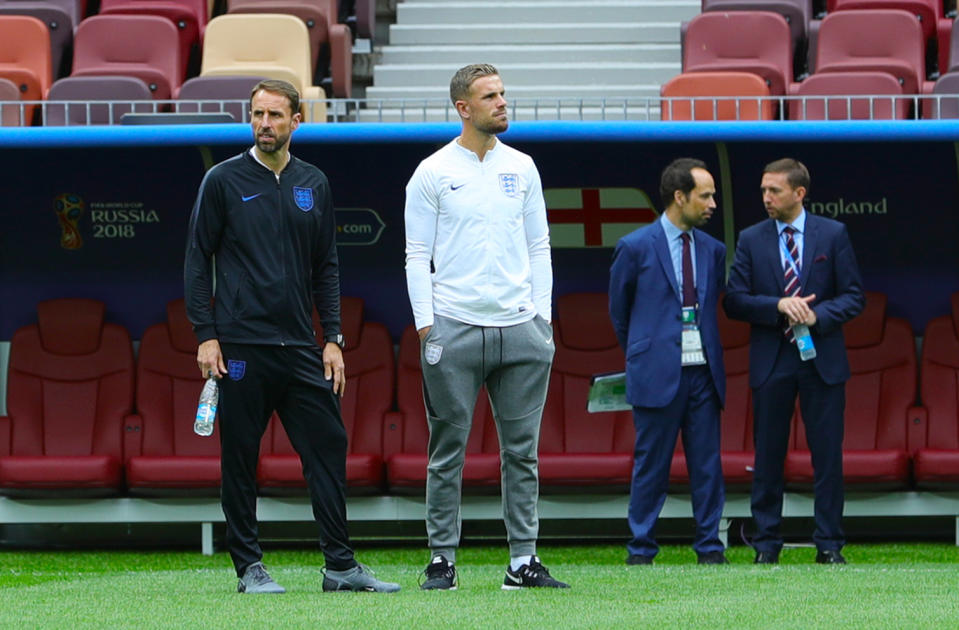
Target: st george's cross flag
[(595, 217)]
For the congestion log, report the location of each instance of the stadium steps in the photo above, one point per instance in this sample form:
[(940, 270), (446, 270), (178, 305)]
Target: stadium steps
[(588, 49)]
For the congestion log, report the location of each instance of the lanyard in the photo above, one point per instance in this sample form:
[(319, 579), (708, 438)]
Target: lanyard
[(787, 256)]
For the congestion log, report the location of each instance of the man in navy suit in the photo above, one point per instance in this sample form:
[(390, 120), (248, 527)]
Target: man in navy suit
[(794, 269), (664, 288)]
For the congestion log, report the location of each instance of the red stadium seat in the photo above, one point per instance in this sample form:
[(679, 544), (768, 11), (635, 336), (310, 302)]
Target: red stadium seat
[(365, 14), (406, 469), (878, 40), (123, 90), (74, 9), (578, 448), (835, 90), (188, 16), (928, 13), (142, 46), (25, 57), (164, 455), (758, 42), (936, 461), (797, 13), (946, 105), (952, 48), (371, 379), (233, 92), (736, 423), (879, 398), (716, 96), (69, 392), (10, 115), (59, 25)]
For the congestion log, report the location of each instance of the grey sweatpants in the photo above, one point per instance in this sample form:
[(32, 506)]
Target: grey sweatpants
[(514, 363)]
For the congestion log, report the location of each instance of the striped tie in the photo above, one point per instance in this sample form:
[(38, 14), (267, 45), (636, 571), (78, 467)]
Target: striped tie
[(792, 280)]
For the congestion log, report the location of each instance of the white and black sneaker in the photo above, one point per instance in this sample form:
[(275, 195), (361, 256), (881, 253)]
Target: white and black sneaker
[(256, 580), (440, 575), (532, 575)]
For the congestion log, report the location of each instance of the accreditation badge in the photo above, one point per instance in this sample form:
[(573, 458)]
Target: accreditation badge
[(692, 342)]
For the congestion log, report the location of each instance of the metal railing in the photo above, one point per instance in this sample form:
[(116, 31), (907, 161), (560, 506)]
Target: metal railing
[(652, 108)]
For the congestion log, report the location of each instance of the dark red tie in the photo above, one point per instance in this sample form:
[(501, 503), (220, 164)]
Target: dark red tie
[(789, 273), (689, 286)]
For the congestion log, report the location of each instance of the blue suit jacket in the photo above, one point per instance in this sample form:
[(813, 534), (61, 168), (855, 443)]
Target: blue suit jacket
[(756, 285), (645, 305)]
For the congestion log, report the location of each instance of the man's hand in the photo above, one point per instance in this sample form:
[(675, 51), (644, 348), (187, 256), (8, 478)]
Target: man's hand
[(422, 332), (797, 310), (210, 359), (334, 368)]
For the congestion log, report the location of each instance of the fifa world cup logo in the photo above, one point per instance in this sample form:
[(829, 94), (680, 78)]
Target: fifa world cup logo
[(69, 209)]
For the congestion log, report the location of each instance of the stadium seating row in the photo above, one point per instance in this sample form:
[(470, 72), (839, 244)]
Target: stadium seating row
[(87, 419), (867, 52), (154, 41), (805, 21)]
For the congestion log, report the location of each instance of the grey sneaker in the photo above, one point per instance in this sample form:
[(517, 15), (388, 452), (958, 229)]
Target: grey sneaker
[(440, 575), (256, 580), (359, 578)]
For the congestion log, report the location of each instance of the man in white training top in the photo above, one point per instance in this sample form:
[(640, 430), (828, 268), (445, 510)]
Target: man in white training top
[(475, 212)]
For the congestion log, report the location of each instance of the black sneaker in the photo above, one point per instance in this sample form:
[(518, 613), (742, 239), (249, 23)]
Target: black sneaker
[(440, 575), (532, 575)]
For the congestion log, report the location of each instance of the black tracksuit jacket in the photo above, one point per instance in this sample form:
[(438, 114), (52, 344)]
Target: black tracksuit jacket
[(274, 246)]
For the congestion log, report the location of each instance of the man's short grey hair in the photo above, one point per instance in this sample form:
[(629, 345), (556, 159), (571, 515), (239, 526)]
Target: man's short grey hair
[(278, 86), (464, 77)]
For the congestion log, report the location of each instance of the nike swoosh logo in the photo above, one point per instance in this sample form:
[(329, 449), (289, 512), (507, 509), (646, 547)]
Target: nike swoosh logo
[(549, 341), (249, 197), (452, 187), (513, 579)]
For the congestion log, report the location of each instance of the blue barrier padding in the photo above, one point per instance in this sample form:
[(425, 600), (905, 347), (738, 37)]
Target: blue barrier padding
[(546, 131)]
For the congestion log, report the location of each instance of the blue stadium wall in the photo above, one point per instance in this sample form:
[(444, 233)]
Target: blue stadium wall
[(895, 184)]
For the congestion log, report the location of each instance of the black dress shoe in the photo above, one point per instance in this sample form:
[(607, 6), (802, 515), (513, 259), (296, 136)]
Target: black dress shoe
[(766, 557), (635, 558), (829, 556), (713, 557)]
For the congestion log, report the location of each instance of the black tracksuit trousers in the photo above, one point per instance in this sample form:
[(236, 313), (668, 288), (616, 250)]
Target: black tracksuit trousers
[(289, 380)]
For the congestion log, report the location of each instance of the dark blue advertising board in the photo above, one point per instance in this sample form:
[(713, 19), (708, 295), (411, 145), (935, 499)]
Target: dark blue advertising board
[(102, 212)]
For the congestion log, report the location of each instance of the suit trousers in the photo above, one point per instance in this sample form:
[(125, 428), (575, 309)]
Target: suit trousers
[(290, 381), (822, 407), (514, 363), (694, 412)]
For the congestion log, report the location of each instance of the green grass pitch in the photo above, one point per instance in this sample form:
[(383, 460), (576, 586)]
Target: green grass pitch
[(883, 586)]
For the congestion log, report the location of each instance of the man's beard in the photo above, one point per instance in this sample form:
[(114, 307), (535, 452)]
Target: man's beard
[(273, 147)]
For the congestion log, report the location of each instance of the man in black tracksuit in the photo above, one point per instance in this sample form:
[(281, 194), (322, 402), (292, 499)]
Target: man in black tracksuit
[(265, 218)]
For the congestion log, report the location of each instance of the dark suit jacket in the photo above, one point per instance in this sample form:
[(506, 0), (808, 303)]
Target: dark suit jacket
[(645, 305), (756, 285)]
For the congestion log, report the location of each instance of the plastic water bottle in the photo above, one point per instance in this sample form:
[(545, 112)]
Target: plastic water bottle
[(807, 350), (206, 409)]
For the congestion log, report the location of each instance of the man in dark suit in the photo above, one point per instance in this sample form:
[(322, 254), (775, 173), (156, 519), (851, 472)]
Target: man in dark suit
[(792, 273), (664, 288)]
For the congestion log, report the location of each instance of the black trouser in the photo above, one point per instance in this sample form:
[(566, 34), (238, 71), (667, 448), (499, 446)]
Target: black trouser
[(289, 380)]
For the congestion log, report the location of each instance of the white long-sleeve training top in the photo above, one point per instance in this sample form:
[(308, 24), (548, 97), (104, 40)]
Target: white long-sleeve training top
[(483, 224)]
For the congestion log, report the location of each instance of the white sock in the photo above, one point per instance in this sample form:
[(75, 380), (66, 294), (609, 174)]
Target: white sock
[(518, 561)]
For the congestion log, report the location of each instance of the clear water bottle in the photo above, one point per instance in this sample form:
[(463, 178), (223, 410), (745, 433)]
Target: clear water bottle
[(206, 409), (807, 350)]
